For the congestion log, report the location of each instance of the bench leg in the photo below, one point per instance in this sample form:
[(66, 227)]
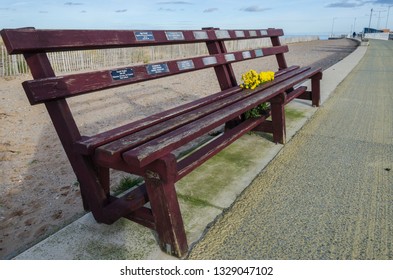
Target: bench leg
[(278, 118), (316, 89), (104, 177), (160, 185)]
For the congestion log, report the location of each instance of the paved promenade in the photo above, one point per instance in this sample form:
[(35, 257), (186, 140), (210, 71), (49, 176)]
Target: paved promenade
[(329, 193)]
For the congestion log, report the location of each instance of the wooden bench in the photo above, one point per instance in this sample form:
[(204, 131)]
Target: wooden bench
[(145, 147)]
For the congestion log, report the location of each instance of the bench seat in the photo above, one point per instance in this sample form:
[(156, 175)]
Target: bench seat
[(145, 146)]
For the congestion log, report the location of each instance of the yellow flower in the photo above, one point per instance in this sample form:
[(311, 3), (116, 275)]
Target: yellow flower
[(252, 79)]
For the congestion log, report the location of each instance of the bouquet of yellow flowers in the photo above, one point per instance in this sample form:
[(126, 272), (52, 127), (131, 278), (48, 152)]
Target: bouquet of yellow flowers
[(251, 80)]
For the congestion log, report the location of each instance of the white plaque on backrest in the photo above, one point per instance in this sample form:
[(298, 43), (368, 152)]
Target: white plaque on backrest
[(200, 35), (253, 33), (258, 52), (209, 60), (185, 64), (222, 34), (174, 35), (246, 54), (264, 32), (239, 33), (230, 57)]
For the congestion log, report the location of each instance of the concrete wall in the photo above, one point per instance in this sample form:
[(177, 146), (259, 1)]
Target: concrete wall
[(379, 36)]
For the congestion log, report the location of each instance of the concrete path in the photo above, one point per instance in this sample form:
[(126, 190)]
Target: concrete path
[(203, 195), (329, 193)]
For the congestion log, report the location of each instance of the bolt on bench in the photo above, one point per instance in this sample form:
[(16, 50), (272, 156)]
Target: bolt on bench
[(145, 147)]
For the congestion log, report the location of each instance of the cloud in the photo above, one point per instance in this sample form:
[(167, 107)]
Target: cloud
[(357, 3), (167, 10), (73, 3), (210, 10), (121, 11), (175, 3), (346, 4), (383, 2), (254, 8)]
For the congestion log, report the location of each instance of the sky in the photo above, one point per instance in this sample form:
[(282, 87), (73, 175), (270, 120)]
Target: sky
[(302, 17)]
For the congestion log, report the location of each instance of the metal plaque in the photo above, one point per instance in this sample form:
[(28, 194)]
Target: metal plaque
[(230, 57), (222, 34), (264, 32), (253, 33), (209, 60), (258, 52), (159, 68), (122, 74), (200, 35), (246, 54), (174, 35), (239, 33), (185, 64), (144, 36)]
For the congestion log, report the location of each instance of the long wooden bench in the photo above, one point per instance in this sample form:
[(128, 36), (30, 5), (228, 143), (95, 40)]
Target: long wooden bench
[(145, 147)]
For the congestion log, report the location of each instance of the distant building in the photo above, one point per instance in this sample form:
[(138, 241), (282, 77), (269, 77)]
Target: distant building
[(371, 30), (383, 34)]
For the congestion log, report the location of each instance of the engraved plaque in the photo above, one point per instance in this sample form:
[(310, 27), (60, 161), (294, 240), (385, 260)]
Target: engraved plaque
[(239, 33), (122, 74), (246, 54), (200, 35), (258, 52), (185, 65), (222, 34), (253, 33), (144, 36), (230, 57), (264, 32), (209, 60), (172, 35), (159, 68)]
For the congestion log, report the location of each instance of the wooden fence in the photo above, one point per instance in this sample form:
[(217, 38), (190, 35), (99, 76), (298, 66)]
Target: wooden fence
[(77, 61)]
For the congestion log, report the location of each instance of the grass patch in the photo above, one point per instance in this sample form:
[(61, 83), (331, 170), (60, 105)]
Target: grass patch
[(293, 114), (127, 183), (194, 201)]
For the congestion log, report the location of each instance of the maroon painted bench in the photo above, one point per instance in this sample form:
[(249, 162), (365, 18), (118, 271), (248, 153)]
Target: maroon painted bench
[(145, 147)]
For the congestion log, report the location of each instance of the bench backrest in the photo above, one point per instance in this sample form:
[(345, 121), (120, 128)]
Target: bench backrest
[(34, 44)]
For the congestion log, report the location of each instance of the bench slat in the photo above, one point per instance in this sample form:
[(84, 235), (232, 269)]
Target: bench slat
[(43, 90), (152, 150), (31, 40), (89, 144), (114, 149)]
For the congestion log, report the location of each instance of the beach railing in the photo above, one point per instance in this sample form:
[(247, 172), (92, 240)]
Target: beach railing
[(79, 61)]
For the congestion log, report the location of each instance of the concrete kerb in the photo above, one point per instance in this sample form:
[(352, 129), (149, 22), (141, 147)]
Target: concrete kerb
[(203, 195)]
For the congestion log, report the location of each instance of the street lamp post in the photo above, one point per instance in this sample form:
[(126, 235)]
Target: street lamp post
[(354, 25), (331, 34), (379, 17), (387, 17), (369, 23)]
